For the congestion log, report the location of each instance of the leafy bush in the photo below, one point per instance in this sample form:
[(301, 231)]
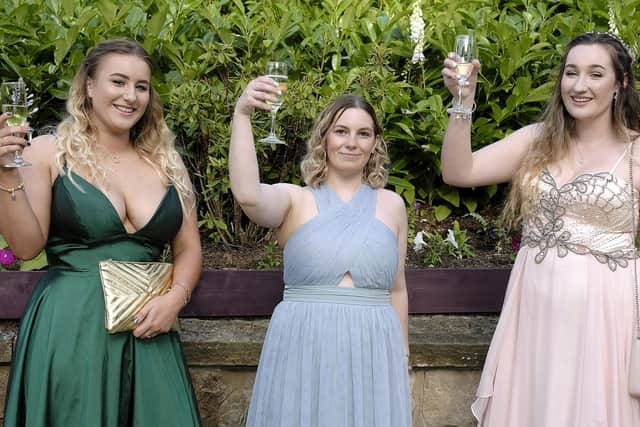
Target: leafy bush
[(207, 52)]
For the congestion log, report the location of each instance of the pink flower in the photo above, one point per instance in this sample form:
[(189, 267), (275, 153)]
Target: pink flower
[(515, 242), (7, 257)]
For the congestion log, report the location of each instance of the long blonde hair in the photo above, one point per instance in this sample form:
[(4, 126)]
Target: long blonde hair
[(314, 164), (150, 136), (558, 126)]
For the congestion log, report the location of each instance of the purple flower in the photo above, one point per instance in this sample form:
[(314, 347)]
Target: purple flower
[(491, 232), (6, 257)]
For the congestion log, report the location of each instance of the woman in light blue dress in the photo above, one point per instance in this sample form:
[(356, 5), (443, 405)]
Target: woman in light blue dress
[(336, 351)]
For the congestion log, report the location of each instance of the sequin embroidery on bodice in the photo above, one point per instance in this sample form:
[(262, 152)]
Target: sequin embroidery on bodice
[(591, 214)]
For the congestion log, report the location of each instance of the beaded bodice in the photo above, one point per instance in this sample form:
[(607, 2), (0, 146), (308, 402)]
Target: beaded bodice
[(590, 215)]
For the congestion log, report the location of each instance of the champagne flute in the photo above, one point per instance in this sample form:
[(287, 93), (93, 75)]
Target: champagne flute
[(15, 100), (464, 49), (276, 71)]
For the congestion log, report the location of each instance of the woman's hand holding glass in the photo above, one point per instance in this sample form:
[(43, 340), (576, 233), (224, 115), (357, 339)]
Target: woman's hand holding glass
[(460, 76), (16, 100), (12, 139), (260, 93)]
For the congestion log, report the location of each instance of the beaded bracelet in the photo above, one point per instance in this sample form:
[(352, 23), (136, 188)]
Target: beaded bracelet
[(461, 115), (12, 190)]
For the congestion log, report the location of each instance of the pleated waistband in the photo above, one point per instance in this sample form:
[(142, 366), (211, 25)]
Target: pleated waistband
[(337, 295)]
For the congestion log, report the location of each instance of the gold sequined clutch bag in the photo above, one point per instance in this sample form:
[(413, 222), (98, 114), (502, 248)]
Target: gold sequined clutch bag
[(127, 286)]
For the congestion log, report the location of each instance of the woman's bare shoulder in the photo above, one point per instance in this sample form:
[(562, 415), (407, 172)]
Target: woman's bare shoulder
[(391, 202)]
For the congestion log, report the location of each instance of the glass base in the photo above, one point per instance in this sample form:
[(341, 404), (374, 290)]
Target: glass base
[(272, 139), (16, 163), (460, 112)]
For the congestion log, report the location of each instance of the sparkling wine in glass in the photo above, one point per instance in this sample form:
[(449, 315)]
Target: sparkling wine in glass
[(464, 50), (277, 71), (15, 100)]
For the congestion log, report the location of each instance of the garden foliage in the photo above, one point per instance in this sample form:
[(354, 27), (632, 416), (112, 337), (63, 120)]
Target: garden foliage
[(207, 51)]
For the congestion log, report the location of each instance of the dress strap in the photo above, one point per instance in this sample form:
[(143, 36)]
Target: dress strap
[(622, 156), (321, 197)]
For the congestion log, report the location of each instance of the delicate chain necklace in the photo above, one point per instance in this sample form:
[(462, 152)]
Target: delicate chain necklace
[(579, 157)]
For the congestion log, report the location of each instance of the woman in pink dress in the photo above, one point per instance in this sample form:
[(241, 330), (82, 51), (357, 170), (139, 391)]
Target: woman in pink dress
[(561, 351)]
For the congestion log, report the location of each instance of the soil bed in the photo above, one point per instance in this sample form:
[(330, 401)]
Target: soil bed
[(490, 249)]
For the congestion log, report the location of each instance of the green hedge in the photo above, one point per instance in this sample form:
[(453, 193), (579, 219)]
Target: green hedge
[(208, 50)]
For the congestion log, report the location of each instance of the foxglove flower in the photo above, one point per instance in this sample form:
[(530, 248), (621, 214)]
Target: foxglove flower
[(418, 242), (451, 238), (417, 32)]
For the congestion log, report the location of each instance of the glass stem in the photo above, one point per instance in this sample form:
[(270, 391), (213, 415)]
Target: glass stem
[(459, 100), (274, 111)]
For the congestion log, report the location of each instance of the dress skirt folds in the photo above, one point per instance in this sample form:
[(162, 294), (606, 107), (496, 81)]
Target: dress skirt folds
[(560, 353), (67, 370), (334, 356), (328, 363)]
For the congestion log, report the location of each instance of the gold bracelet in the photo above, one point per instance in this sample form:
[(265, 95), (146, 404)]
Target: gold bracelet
[(12, 190), (186, 291)]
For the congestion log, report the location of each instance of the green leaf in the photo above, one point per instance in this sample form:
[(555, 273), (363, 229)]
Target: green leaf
[(451, 195), (405, 128), (442, 212), (37, 263), (470, 204), (335, 61), (492, 190), (68, 7)]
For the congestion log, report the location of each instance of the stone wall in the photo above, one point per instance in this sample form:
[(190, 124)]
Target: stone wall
[(447, 352)]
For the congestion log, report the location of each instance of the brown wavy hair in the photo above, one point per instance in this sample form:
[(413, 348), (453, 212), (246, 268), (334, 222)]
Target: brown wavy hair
[(150, 136), (314, 164), (557, 126)]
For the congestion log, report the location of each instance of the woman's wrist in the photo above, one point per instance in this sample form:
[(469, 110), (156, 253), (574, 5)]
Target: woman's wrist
[(183, 291), (238, 113)]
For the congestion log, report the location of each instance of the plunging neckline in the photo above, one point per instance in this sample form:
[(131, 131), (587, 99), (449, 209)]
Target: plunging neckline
[(114, 211)]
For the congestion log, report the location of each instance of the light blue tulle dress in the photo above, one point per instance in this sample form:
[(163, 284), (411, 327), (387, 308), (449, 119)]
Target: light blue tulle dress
[(334, 356)]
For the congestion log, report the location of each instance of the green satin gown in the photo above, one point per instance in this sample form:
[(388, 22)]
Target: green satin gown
[(67, 370)]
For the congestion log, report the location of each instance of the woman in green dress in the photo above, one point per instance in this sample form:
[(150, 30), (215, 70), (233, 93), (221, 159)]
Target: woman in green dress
[(109, 184)]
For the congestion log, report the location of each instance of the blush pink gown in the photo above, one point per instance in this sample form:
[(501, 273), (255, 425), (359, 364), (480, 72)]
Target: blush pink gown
[(560, 353)]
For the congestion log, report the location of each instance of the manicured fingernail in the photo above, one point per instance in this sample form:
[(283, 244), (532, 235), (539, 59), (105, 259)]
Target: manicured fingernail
[(279, 92), (29, 129), (276, 84), (9, 113)]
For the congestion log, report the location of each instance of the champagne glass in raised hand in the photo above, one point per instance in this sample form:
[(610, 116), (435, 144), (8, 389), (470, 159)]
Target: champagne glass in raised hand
[(464, 50), (15, 100), (276, 71)]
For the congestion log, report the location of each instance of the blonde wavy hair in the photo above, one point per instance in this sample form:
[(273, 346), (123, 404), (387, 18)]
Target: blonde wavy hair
[(314, 164), (558, 127), (150, 136)]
